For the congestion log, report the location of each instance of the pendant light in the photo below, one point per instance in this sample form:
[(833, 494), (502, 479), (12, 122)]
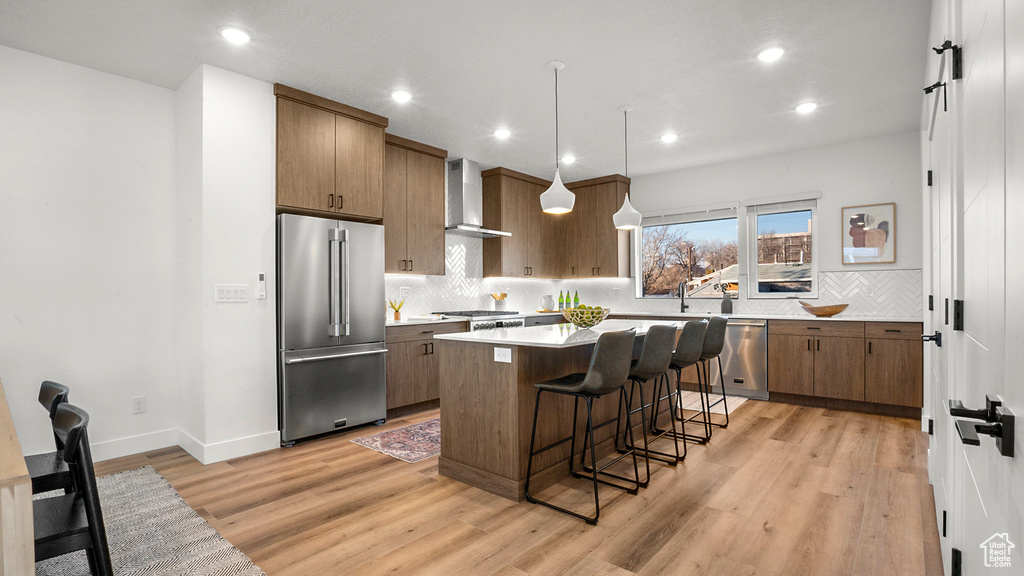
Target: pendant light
[(557, 199), (627, 218)]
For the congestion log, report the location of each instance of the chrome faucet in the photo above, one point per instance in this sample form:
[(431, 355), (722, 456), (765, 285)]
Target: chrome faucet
[(682, 297)]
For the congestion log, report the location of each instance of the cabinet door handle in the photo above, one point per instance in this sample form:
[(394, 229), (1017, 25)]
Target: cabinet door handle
[(431, 347), (808, 343), (330, 200), (526, 271), (814, 327), (425, 348), (573, 270), (593, 271), (598, 270), (410, 266), (403, 264), (896, 331), (869, 347), (341, 201), (819, 345)]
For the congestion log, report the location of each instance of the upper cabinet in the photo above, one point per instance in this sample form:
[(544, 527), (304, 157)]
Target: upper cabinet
[(330, 157), (413, 207), (511, 202), (581, 244)]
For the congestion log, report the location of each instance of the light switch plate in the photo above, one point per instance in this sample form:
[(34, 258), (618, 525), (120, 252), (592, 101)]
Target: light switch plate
[(231, 293), (503, 355)]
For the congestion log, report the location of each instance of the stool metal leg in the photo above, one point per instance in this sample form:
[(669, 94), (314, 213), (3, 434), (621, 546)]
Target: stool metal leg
[(670, 396), (636, 472), (722, 400)]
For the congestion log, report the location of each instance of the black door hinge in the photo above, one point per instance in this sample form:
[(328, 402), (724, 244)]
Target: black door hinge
[(931, 302), (945, 313), (929, 177), (957, 567), (958, 314), (931, 430)]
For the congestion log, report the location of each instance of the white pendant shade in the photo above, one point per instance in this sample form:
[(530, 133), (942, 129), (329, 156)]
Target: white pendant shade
[(627, 218), (557, 199)]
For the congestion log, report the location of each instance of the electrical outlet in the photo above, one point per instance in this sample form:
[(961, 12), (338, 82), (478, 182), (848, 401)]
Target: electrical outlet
[(138, 404), (503, 355), (403, 292)]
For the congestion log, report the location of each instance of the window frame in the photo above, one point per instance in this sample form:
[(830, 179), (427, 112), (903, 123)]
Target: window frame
[(719, 212), (768, 208)]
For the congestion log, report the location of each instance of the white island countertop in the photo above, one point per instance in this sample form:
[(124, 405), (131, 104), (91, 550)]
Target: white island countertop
[(553, 335)]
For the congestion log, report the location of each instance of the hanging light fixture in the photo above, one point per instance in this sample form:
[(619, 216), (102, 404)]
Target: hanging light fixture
[(557, 199), (627, 218)]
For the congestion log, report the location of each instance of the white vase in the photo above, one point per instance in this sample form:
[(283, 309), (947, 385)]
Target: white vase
[(547, 302)]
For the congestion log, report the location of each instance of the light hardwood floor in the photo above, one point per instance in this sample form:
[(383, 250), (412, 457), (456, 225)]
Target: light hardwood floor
[(784, 490)]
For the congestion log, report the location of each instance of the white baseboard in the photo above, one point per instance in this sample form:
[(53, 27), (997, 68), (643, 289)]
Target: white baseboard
[(218, 451), (134, 444)]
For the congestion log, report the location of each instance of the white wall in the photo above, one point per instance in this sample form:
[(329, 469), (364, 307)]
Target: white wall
[(87, 257), (869, 171)]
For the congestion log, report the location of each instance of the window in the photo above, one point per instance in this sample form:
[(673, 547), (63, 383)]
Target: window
[(781, 262), (700, 251)]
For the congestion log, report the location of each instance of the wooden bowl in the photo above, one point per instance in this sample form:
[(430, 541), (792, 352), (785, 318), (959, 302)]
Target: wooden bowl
[(585, 317), (824, 311)]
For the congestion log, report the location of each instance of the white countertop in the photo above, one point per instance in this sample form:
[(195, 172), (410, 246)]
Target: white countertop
[(839, 318), (418, 321), (553, 335)]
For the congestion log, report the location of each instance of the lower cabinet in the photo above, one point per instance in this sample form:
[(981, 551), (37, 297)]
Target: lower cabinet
[(876, 362), (412, 367)]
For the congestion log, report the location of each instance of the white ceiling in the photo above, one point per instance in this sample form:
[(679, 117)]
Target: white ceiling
[(687, 66)]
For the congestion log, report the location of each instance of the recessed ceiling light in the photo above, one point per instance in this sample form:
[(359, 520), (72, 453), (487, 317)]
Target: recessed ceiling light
[(669, 138), (568, 159), (401, 96), (771, 54), (806, 107), (234, 35), (502, 133)]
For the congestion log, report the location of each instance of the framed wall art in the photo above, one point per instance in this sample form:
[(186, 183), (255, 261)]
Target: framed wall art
[(869, 234)]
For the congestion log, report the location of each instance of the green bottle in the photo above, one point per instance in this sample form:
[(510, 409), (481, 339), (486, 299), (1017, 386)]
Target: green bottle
[(576, 300), (561, 301)]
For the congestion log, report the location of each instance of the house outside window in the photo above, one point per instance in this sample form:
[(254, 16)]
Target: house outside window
[(782, 260), (701, 251)]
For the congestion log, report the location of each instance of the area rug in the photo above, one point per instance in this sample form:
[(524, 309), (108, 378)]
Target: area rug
[(152, 531), (410, 443), (691, 401)]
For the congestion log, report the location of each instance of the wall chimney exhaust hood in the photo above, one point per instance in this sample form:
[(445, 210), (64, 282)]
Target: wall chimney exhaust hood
[(466, 201)]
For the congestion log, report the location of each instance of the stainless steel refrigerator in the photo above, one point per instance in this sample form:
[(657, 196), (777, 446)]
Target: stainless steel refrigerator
[(330, 323)]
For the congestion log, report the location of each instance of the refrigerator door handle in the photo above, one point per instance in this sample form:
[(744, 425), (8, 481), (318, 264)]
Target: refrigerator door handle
[(334, 301), (333, 356), (346, 322)]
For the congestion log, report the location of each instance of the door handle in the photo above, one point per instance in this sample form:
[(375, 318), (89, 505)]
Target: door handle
[(598, 270), (341, 201), (988, 413), (410, 266), (330, 200), (808, 343), (869, 347), (937, 338), (334, 283), (425, 349), (333, 356), (1002, 430), (431, 347), (818, 342), (404, 265)]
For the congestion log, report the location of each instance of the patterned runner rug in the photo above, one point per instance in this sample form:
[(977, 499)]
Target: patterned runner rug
[(152, 531), (410, 443)]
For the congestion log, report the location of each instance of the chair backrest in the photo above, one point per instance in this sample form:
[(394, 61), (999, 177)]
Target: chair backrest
[(714, 337), (656, 355), (690, 345), (51, 395), (70, 424), (609, 364)]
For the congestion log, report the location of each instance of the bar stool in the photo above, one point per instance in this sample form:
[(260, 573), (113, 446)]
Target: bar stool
[(609, 368), (687, 353), (714, 343), (655, 358), (48, 471)]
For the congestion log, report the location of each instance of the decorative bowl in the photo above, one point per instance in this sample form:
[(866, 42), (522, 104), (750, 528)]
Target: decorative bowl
[(824, 311), (586, 317)]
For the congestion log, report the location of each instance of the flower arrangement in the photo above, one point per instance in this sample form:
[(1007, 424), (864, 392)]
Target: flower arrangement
[(397, 307)]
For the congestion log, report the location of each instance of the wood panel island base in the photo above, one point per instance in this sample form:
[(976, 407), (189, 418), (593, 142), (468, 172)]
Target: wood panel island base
[(488, 398)]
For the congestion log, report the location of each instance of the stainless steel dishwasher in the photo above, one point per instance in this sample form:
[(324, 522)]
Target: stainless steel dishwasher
[(744, 360)]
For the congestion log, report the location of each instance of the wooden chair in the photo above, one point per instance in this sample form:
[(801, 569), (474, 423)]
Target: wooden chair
[(48, 471), (73, 521)]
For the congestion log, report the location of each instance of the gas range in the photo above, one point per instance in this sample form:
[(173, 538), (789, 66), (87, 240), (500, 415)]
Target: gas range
[(488, 319)]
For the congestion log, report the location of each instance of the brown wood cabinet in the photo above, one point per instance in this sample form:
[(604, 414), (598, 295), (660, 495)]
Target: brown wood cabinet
[(511, 202), (581, 244), (594, 248), (413, 207), (893, 364), (412, 366), (873, 362), (330, 157)]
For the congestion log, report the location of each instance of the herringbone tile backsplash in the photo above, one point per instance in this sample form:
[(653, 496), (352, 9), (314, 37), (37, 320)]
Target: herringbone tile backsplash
[(870, 293)]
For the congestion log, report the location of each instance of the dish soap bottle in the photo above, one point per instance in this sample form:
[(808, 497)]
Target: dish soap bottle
[(576, 300)]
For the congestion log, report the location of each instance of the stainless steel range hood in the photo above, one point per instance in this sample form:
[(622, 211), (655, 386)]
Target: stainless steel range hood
[(466, 201)]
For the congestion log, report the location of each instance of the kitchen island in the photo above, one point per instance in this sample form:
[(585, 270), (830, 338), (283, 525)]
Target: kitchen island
[(487, 402)]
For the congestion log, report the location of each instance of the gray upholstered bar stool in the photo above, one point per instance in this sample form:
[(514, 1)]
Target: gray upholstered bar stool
[(655, 358), (609, 368), (48, 471), (687, 353), (714, 343)]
